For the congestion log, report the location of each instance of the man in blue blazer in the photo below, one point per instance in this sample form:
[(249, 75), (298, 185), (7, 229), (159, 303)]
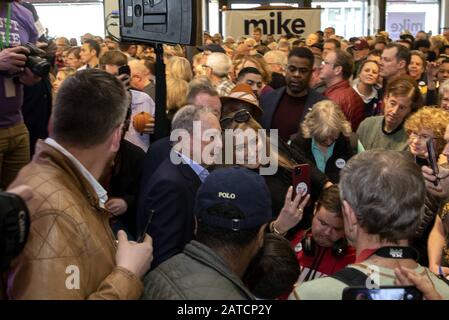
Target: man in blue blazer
[(166, 208), (285, 108)]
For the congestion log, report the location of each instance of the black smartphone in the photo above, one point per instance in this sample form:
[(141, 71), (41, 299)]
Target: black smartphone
[(124, 70), (433, 158), (147, 226), (382, 293)]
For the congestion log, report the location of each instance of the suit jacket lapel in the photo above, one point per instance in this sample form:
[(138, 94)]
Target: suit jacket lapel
[(271, 106)]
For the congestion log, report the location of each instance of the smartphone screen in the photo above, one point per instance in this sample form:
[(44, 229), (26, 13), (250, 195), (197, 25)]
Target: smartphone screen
[(301, 179), (382, 293)]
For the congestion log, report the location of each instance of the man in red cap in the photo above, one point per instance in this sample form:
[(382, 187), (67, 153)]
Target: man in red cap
[(360, 51)]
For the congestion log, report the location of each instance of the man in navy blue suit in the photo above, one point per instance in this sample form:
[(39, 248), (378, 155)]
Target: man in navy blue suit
[(169, 195), (202, 94), (285, 108)]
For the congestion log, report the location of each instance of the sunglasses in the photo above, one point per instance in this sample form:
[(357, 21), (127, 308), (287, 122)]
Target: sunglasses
[(241, 116)]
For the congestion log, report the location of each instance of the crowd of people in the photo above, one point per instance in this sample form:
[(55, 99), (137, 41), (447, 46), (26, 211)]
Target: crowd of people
[(116, 214)]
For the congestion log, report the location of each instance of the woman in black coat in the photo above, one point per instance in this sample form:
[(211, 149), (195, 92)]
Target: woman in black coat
[(326, 139)]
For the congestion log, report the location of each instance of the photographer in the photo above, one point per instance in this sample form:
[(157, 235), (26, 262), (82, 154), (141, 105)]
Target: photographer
[(379, 219), (18, 29)]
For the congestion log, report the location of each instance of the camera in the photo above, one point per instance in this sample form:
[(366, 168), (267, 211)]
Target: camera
[(14, 227), (35, 62)]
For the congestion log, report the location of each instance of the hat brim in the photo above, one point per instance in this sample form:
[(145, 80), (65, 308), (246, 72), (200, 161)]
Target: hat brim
[(256, 112)]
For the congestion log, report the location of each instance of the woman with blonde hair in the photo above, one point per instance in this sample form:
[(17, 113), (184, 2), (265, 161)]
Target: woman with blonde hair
[(62, 74), (326, 139), (176, 95), (279, 183), (426, 124), (179, 68)]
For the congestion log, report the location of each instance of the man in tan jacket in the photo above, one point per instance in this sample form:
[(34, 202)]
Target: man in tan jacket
[(71, 251)]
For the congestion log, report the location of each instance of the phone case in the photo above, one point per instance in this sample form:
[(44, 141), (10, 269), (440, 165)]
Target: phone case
[(301, 179)]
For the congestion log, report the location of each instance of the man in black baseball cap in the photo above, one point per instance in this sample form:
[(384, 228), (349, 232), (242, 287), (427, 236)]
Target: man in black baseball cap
[(213, 47), (233, 208)]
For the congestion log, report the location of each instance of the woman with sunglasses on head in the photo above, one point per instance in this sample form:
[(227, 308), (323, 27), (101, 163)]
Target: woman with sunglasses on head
[(326, 138), (245, 153), (426, 124)]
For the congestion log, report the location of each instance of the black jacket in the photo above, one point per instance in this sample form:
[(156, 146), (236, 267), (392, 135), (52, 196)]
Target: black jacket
[(269, 103), (432, 205), (125, 181), (279, 183), (345, 148)]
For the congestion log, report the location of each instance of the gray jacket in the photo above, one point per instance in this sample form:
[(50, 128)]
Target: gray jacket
[(197, 273)]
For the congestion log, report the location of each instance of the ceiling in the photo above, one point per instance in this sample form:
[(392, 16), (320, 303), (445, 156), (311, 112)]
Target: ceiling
[(63, 1)]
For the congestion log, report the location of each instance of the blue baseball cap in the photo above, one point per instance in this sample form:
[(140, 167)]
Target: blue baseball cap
[(237, 186)]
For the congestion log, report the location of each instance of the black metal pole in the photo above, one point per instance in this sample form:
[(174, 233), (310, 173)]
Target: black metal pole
[(162, 125)]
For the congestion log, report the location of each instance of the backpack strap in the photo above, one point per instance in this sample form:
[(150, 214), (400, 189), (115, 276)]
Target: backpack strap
[(351, 277)]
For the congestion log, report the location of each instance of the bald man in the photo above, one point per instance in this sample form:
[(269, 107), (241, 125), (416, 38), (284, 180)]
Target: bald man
[(140, 78)]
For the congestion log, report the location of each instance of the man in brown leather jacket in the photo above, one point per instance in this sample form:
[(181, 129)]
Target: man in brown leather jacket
[(71, 251)]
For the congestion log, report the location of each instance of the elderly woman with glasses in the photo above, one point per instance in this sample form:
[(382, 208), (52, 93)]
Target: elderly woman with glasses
[(427, 124), (326, 138), (246, 150)]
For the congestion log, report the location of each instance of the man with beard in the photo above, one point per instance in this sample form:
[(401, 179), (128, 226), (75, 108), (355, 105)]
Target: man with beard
[(285, 108), (70, 219)]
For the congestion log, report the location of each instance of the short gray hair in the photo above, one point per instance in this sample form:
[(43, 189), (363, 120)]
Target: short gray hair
[(200, 85), (186, 116), (387, 192), (220, 63)]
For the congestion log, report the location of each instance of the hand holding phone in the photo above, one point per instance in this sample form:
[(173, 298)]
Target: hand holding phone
[(147, 226), (124, 70), (301, 179), (433, 158), (382, 293)]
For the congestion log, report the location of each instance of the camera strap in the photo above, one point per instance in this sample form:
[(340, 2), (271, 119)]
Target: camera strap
[(7, 28)]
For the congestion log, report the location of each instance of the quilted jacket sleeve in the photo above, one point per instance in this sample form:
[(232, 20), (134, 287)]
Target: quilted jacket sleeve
[(55, 265)]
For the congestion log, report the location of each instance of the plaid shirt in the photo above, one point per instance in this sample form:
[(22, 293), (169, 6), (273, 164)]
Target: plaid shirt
[(225, 87)]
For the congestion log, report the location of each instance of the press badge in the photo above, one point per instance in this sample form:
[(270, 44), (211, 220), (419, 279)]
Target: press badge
[(10, 87)]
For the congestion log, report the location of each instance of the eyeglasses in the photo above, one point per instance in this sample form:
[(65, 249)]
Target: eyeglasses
[(323, 63), (420, 137), (241, 116)]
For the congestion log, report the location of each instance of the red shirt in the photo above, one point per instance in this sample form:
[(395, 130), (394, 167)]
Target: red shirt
[(349, 101), (323, 263), (288, 115)]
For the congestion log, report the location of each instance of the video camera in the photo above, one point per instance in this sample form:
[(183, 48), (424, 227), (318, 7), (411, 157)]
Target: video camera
[(35, 62), (14, 227)]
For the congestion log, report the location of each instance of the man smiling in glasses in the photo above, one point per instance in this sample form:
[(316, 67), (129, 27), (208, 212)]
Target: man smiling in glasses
[(285, 108)]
